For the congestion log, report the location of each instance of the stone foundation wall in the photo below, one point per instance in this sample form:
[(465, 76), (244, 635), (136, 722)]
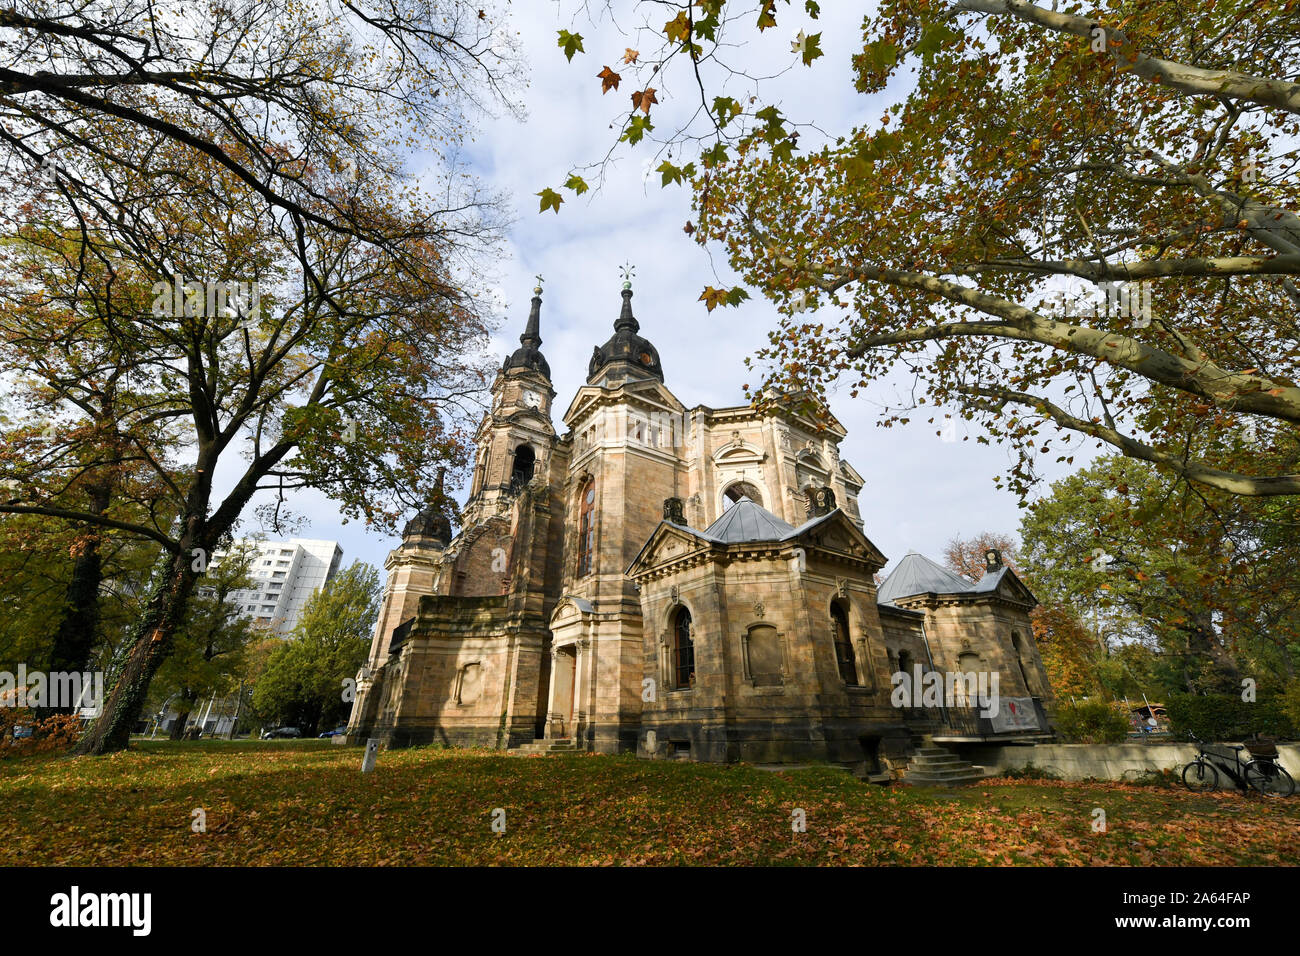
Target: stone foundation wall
[(1101, 761)]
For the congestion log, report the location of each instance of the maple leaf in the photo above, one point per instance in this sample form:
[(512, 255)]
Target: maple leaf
[(608, 80), (636, 129), (630, 55), (678, 29), (810, 49), (570, 43), (550, 199), (725, 109), (712, 298), (577, 184), (642, 100), (716, 154)]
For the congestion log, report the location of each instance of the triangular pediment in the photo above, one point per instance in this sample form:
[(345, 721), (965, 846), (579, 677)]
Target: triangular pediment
[(669, 542), (1010, 587), (837, 532), (644, 395)]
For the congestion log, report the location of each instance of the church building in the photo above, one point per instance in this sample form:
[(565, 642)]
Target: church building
[(679, 582)]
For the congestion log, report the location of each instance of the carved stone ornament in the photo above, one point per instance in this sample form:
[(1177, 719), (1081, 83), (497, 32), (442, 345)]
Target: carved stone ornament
[(675, 593), (842, 587), (759, 609)]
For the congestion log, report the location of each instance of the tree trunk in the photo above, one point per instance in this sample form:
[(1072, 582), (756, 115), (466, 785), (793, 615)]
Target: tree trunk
[(1214, 667), (239, 706), (188, 697), (154, 636), (74, 640)]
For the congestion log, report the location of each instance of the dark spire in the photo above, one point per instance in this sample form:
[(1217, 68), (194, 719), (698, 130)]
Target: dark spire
[(625, 347), (532, 337), (529, 354), (626, 320)]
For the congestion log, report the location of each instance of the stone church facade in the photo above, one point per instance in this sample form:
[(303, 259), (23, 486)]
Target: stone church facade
[(678, 582)]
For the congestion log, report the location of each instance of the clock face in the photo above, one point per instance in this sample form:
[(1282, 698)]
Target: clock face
[(532, 400)]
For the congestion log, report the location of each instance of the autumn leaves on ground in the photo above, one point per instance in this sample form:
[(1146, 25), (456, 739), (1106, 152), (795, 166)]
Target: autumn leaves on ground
[(308, 804)]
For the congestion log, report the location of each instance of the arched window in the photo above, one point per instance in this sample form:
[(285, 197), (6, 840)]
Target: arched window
[(521, 473), (843, 645), (586, 526), (683, 650), (741, 489)]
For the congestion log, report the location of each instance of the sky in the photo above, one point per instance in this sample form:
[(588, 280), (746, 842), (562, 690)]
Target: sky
[(920, 489)]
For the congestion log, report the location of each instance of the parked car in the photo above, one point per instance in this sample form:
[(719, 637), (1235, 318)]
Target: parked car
[(336, 732), (21, 732), (277, 732)]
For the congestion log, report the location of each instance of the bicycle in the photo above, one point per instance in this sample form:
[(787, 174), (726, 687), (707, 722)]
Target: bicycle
[(1263, 773)]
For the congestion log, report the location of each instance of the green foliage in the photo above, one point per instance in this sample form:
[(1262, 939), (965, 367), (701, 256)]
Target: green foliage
[(1183, 591), (1291, 703), (1227, 717), (1030, 772), (304, 678), (1091, 722), (212, 639), (35, 566)]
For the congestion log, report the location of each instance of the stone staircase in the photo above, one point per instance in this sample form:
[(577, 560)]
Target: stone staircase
[(561, 746), (935, 767)]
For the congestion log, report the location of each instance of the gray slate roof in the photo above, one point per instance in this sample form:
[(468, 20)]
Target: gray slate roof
[(917, 574), (748, 521), (991, 580)]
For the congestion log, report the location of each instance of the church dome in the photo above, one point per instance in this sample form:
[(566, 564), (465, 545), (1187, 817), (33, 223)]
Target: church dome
[(529, 354), (431, 521), (625, 346)]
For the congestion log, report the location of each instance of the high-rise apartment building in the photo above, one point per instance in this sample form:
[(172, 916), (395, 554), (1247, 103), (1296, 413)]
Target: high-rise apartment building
[(284, 575)]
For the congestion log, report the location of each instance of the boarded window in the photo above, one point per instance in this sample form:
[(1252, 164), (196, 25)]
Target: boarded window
[(763, 646), (471, 683)]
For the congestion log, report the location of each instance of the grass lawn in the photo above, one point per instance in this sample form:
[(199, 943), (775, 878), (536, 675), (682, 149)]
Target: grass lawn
[(307, 803)]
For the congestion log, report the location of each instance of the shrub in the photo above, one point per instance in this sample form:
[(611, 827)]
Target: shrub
[(57, 732), (1167, 779), (1228, 717), (1091, 722), (1030, 772)]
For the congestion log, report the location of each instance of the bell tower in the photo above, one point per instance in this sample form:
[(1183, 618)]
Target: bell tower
[(516, 437)]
